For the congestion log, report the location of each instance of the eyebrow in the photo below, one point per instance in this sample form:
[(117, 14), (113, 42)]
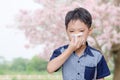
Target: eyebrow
[(74, 29)]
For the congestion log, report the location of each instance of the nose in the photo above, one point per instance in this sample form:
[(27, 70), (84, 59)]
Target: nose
[(79, 34)]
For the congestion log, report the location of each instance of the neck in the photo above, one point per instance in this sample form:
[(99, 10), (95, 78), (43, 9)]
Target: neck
[(80, 50)]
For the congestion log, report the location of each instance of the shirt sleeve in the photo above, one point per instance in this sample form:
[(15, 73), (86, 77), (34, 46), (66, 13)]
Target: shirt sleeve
[(55, 54), (102, 68)]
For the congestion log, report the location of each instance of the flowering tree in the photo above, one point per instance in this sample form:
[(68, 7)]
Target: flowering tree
[(46, 26)]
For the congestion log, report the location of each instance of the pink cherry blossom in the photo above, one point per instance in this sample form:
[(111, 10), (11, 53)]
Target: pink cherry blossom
[(46, 26)]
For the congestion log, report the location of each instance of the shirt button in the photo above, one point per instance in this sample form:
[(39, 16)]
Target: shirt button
[(78, 73), (78, 61)]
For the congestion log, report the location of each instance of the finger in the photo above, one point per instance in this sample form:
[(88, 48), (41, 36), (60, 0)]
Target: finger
[(72, 40), (76, 39), (83, 41), (79, 42)]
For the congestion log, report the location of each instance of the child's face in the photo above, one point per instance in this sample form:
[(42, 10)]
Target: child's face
[(78, 29)]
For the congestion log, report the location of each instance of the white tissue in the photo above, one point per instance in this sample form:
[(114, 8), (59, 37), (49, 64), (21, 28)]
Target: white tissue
[(77, 35)]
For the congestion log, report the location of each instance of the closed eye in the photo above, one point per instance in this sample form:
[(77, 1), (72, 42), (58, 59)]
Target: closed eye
[(71, 31), (81, 30)]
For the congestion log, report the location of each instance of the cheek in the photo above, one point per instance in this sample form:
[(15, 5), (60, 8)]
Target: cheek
[(85, 36), (69, 36)]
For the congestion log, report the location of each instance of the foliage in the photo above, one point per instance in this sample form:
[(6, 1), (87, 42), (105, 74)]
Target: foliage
[(24, 66), (19, 64), (36, 64)]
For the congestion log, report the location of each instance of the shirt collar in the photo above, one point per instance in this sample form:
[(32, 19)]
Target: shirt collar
[(88, 51)]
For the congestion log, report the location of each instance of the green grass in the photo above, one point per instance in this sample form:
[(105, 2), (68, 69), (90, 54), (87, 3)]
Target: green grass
[(43, 75)]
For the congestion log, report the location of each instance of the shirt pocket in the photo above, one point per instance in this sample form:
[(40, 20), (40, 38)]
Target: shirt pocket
[(89, 73)]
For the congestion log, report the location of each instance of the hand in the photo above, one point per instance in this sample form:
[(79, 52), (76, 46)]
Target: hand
[(76, 42)]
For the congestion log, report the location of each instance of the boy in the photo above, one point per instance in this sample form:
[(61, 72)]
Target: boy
[(79, 61)]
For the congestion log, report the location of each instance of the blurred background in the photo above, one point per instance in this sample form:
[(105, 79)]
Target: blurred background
[(31, 29)]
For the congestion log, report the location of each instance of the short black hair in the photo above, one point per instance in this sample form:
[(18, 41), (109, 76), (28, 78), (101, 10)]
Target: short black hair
[(79, 14)]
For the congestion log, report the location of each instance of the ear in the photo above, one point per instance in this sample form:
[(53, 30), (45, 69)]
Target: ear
[(90, 31)]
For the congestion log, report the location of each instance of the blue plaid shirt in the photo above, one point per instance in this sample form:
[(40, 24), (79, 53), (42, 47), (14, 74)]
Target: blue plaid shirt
[(91, 65)]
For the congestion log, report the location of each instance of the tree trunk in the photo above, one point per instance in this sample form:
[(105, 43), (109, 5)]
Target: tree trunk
[(117, 2), (116, 55)]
